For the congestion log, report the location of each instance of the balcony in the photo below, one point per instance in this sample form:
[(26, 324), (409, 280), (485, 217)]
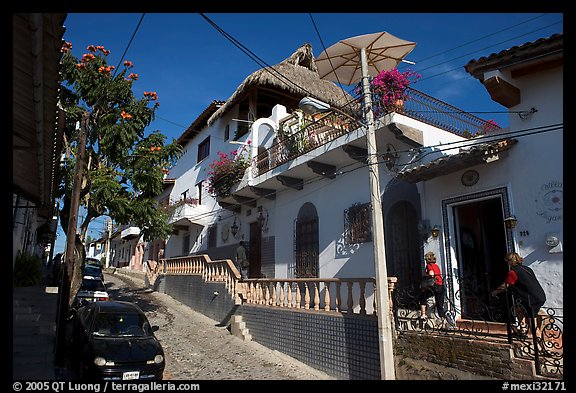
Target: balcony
[(130, 233), (315, 132), (306, 146), (182, 214)]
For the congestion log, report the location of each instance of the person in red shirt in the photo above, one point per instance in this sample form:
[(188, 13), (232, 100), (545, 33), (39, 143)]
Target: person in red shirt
[(527, 292), (437, 290)]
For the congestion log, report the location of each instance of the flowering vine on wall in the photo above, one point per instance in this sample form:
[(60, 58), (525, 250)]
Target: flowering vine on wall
[(226, 171)]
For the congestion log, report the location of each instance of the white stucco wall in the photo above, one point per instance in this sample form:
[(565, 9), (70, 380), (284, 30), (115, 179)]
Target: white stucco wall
[(330, 197), (188, 173), (532, 172)]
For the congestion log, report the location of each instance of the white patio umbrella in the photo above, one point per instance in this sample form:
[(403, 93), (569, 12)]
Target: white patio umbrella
[(348, 62), (341, 62)]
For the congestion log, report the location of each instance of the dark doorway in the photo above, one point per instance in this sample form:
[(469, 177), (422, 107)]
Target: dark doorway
[(255, 251), (403, 252), (481, 246)]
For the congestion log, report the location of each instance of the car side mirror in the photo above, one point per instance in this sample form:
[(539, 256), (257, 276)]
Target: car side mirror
[(155, 328)]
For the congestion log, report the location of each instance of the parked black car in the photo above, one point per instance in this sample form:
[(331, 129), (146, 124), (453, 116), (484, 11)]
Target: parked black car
[(113, 341), (93, 271)]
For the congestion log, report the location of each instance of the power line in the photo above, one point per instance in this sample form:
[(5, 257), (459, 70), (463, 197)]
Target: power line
[(476, 51), (129, 43), (256, 58), (266, 66), (479, 39), (442, 147), (329, 58)]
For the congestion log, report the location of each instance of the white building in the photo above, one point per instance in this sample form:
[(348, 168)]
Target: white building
[(450, 184)]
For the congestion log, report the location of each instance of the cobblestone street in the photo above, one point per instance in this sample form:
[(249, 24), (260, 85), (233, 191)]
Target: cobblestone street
[(196, 348)]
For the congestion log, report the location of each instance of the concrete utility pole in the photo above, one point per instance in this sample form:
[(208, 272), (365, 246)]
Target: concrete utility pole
[(382, 301), (108, 234)]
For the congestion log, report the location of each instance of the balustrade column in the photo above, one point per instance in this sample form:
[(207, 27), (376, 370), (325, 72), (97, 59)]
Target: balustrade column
[(327, 296), (273, 301), (306, 297), (289, 295), (362, 299), (316, 297), (281, 294), (338, 299), (298, 296), (267, 294), (350, 298), (251, 293)]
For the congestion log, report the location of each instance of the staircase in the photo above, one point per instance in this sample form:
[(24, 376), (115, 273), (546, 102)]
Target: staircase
[(238, 328), (33, 332)]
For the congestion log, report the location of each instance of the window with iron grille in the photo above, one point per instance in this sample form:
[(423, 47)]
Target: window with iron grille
[(357, 224)]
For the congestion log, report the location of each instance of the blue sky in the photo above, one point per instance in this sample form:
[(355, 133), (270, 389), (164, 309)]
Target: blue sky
[(189, 63)]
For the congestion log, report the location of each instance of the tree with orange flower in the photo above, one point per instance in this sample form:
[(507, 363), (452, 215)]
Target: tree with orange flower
[(124, 167)]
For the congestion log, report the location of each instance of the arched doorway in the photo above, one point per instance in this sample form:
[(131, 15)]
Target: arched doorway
[(306, 241)]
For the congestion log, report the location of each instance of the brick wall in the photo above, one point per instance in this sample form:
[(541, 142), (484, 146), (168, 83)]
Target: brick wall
[(486, 358)]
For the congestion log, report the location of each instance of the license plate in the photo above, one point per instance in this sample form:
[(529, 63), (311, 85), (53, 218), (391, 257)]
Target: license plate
[(130, 375)]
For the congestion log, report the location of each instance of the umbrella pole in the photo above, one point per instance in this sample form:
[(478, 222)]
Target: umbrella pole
[(382, 301)]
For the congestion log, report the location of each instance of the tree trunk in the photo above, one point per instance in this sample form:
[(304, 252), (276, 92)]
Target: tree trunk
[(74, 255)]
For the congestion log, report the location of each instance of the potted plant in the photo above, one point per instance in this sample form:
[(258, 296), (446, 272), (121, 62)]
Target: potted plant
[(389, 88)]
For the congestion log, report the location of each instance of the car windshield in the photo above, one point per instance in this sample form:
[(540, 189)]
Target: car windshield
[(92, 270), (93, 285), (121, 325)]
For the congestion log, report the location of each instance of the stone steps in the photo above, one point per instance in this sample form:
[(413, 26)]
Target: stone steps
[(33, 332), (238, 328)]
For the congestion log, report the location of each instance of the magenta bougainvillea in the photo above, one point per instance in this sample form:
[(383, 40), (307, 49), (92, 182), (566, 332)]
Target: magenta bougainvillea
[(389, 87), (226, 171)]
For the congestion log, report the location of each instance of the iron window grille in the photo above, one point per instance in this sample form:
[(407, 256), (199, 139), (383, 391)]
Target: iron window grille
[(357, 224)]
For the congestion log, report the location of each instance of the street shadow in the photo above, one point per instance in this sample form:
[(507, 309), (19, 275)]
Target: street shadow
[(133, 292), (226, 320)]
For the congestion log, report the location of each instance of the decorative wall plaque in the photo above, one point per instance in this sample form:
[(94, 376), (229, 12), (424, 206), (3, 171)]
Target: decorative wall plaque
[(470, 177)]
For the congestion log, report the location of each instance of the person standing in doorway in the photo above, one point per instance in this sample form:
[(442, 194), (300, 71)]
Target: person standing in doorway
[(242, 260)]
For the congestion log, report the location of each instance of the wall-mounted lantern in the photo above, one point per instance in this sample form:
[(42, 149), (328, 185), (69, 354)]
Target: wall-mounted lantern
[(510, 222), (234, 228)]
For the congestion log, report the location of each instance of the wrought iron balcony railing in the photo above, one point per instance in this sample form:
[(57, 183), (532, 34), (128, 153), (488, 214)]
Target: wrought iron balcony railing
[(300, 133)]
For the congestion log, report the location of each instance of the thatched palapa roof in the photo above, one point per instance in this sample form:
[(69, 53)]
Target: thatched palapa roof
[(295, 75)]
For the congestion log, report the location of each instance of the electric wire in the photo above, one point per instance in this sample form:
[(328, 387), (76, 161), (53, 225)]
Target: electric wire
[(259, 60), (129, 43), (329, 58), (263, 64), (266, 66), (446, 146), (419, 61), (473, 52)]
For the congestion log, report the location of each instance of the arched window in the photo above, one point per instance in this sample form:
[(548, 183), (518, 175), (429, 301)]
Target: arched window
[(306, 241)]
